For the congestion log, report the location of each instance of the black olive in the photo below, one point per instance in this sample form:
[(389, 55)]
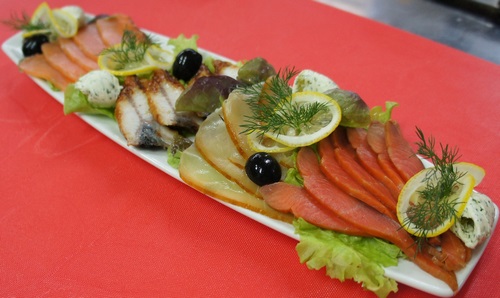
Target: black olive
[(33, 44), (186, 64), (263, 169)]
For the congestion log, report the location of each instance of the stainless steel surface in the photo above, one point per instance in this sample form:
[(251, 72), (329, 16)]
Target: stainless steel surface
[(474, 28)]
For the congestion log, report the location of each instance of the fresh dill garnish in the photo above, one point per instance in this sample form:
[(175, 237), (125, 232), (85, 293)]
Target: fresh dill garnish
[(131, 50), (442, 181), (273, 110), (23, 22)]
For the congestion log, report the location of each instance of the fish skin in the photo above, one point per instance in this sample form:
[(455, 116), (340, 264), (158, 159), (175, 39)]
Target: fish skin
[(287, 198), (363, 216), (137, 123), (400, 152), (37, 66), (56, 57), (163, 90), (336, 174), (71, 49)]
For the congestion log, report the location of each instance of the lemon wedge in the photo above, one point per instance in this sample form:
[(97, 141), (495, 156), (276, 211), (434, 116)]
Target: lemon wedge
[(261, 143), (64, 23), (106, 61), (322, 124), (42, 14), (476, 171), (410, 200), (160, 57)]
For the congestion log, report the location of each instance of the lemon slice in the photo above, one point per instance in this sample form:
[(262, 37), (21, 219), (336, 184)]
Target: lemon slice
[(322, 124), (30, 33), (476, 171), (42, 14), (261, 143), (64, 23), (160, 57), (410, 199), (106, 61)]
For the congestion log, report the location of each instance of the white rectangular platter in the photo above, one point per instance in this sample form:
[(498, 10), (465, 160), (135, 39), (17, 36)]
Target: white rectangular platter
[(406, 272)]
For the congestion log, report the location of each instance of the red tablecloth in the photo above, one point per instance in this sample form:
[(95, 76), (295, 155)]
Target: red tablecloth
[(81, 216)]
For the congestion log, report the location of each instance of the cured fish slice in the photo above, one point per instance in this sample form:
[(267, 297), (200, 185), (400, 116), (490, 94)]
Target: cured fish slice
[(287, 198), (348, 163), (89, 41), (336, 174), (339, 139), (137, 123), (56, 57), (362, 216), (38, 67), (399, 150), (453, 254), (368, 159), (163, 90), (199, 174), (71, 49), (376, 140), (111, 28), (216, 146)]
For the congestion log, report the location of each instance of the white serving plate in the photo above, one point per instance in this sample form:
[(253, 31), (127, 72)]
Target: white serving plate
[(406, 272)]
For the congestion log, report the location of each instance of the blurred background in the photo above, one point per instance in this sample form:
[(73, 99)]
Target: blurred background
[(472, 26)]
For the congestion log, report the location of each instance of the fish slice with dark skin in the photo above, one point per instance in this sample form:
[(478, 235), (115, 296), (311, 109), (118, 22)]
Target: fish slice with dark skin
[(287, 198), (163, 91), (137, 123), (362, 216)]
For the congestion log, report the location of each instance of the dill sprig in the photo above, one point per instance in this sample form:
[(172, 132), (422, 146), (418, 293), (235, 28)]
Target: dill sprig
[(435, 205), (273, 110), (23, 22), (131, 50)]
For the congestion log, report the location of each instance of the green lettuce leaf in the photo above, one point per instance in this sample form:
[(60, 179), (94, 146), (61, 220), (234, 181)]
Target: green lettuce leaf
[(182, 42), (348, 257), (377, 113), (76, 101)]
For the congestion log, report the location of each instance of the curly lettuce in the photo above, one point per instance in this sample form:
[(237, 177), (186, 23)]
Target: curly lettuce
[(361, 259)]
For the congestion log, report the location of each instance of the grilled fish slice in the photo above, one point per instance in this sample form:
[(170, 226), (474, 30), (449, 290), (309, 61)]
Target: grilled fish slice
[(163, 90), (138, 125)]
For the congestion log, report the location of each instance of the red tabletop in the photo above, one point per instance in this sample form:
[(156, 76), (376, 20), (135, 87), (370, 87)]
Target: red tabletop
[(81, 216)]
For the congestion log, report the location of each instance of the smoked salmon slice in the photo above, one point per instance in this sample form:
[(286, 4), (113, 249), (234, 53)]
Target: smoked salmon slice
[(346, 160), (335, 173), (38, 67), (59, 61), (368, 159), (288, 198), (89, 41), (111, 28), (71, 49), (376, 140), (362, 216), (400, 152)]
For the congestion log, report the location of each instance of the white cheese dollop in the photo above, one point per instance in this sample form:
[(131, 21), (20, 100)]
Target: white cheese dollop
[(309, 80), (101, 88), (476, 223)]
